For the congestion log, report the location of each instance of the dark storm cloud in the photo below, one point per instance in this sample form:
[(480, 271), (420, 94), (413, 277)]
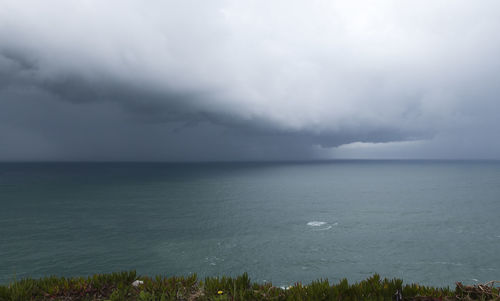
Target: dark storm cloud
[(189, 80)]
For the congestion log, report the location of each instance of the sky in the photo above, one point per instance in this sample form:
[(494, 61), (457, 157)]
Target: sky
[(125, 80)]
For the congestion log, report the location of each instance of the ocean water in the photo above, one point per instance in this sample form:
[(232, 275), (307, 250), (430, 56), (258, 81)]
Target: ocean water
[(432, 222)]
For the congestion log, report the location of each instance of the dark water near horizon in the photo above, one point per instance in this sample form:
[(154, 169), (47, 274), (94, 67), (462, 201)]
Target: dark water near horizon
[(432, 222)]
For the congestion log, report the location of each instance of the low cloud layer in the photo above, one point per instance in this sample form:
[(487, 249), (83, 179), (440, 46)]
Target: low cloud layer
[(259, 80)]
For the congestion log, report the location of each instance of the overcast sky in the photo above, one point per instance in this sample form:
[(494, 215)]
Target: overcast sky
[(249, 80)]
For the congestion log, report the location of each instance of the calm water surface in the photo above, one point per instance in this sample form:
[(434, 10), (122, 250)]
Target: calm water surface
[(432, 222)]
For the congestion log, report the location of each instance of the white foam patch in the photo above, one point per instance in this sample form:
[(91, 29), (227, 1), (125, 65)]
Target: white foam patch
[(316, 224)]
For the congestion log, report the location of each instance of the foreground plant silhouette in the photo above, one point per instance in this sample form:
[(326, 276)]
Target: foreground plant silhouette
[(123, 286)]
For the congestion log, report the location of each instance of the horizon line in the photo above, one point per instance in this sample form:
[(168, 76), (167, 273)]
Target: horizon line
[(249, 161)]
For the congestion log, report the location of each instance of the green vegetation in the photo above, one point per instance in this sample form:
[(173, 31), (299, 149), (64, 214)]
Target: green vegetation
[(123, 286)]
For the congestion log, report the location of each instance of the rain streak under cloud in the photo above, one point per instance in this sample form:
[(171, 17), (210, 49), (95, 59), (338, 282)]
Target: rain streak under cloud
[(248, 80)]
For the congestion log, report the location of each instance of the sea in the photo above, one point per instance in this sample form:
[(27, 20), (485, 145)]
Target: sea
[(430, 222)]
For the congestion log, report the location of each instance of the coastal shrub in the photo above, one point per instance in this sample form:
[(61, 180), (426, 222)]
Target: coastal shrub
[(118, 287), (220, 288), (168, 288)]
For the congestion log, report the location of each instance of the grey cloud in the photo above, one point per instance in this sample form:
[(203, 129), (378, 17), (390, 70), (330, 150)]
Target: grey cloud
[(226, 81)]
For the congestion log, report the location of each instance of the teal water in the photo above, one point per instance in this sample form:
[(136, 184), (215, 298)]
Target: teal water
[(432, 222)]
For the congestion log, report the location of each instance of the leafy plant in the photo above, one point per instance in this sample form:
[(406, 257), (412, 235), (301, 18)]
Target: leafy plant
[(119, 287)]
